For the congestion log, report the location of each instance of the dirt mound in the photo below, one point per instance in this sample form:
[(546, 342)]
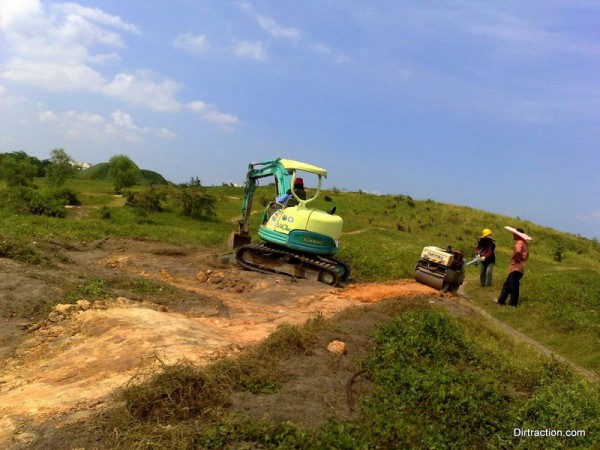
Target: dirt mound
[(157, 301)]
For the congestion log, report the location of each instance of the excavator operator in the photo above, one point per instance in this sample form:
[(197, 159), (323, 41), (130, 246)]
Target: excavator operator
[(298, 189)]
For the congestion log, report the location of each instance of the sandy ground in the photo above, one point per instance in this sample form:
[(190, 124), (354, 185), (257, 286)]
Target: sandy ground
[(66, 363)]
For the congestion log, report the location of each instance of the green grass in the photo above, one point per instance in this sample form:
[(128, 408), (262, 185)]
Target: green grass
[(427, 365), (382, 240), (438, 382)]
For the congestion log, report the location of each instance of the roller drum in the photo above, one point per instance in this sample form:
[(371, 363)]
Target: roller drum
[(429, 279)]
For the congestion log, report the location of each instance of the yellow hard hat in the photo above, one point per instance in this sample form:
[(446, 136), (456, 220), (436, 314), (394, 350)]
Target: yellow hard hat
[(486, 232)]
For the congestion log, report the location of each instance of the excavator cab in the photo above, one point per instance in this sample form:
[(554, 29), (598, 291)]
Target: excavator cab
[(296, 240)]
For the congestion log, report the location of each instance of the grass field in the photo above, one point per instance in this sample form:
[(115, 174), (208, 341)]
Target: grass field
[(439, 381), (383, 239)]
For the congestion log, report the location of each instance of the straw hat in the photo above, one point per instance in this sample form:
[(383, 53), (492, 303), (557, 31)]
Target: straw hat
[(519, 232)]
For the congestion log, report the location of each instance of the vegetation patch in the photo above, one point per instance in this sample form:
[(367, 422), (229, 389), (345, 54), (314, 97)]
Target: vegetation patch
[(24, 200), (438, 382), (19, 251)]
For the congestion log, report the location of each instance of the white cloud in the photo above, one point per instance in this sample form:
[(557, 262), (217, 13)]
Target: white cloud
[(165, 133), (276, 30), (53, 75), (96, 15), (67, 47), (12, 12), (252, 50), (122, 119), (51, 48), (7, 101), (271, 26), (94, 127), (211, 114), (142, 89), (191, 43)]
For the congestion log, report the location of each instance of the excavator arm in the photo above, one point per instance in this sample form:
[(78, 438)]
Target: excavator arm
[(255, 173)]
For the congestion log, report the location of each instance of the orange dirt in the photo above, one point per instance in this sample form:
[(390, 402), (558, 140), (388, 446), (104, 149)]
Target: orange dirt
[(68, 362)]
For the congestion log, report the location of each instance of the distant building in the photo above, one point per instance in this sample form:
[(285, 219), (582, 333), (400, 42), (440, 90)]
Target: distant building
[(81, 165)]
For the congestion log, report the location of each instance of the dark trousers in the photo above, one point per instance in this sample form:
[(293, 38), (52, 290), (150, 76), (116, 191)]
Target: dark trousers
[(510, 288)]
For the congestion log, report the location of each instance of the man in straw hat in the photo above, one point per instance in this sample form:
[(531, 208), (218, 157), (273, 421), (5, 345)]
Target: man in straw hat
[(516, 268)]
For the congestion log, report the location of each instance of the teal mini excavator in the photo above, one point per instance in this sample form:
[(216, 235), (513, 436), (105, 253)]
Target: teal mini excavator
[(296, 240)]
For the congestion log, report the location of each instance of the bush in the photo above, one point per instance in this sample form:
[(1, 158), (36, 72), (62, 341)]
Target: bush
[(558, 252), (17, 169), (23, 200), (105, 213), (148, 200), (68, 196), (197, 203)]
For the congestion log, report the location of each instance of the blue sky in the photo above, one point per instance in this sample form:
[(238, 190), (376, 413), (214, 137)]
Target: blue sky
[(493, 105)]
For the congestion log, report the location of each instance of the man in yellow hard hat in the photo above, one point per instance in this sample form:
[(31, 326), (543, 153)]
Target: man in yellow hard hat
[(486, 247)]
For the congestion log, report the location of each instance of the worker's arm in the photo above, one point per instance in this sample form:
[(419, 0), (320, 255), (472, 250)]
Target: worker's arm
[(283, 198)]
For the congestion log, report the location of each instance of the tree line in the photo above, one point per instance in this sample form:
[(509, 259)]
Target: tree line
[(18, 170)]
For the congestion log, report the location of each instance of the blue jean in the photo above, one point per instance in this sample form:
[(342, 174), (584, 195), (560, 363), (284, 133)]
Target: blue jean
[(485, 275)]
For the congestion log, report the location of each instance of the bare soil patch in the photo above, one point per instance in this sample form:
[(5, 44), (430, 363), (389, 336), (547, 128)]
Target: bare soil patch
[(130, 301)]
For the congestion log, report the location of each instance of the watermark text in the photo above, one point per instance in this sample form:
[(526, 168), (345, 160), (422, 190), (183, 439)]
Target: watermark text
[(547, 432)]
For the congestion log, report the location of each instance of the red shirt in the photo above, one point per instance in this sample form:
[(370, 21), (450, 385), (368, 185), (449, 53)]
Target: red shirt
[(520, 254)]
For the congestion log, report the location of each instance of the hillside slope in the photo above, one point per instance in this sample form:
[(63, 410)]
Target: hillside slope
[(166, 279), (100, 172)]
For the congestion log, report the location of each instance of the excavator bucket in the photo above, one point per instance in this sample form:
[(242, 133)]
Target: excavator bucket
[(240, 239)]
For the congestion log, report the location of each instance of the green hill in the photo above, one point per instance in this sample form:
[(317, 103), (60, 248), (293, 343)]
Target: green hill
[(101, 172), (95, 172)]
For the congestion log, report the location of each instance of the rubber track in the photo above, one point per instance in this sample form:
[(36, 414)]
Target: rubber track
[(305, 261)]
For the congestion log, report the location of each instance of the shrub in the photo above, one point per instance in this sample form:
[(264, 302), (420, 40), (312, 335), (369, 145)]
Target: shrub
[(23, 200), (68, 196), (148, 200), (105, 213), (197, 203), (174, 392), (17, 169), (557, 252)]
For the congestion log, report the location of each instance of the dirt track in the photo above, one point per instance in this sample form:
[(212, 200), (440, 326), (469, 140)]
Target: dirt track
[(67, 363)]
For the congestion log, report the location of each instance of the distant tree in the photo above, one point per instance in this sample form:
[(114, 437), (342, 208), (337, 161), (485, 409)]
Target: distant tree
[(61, 168), (40, 166), (16, 169), (196, 202), (123, 171)]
